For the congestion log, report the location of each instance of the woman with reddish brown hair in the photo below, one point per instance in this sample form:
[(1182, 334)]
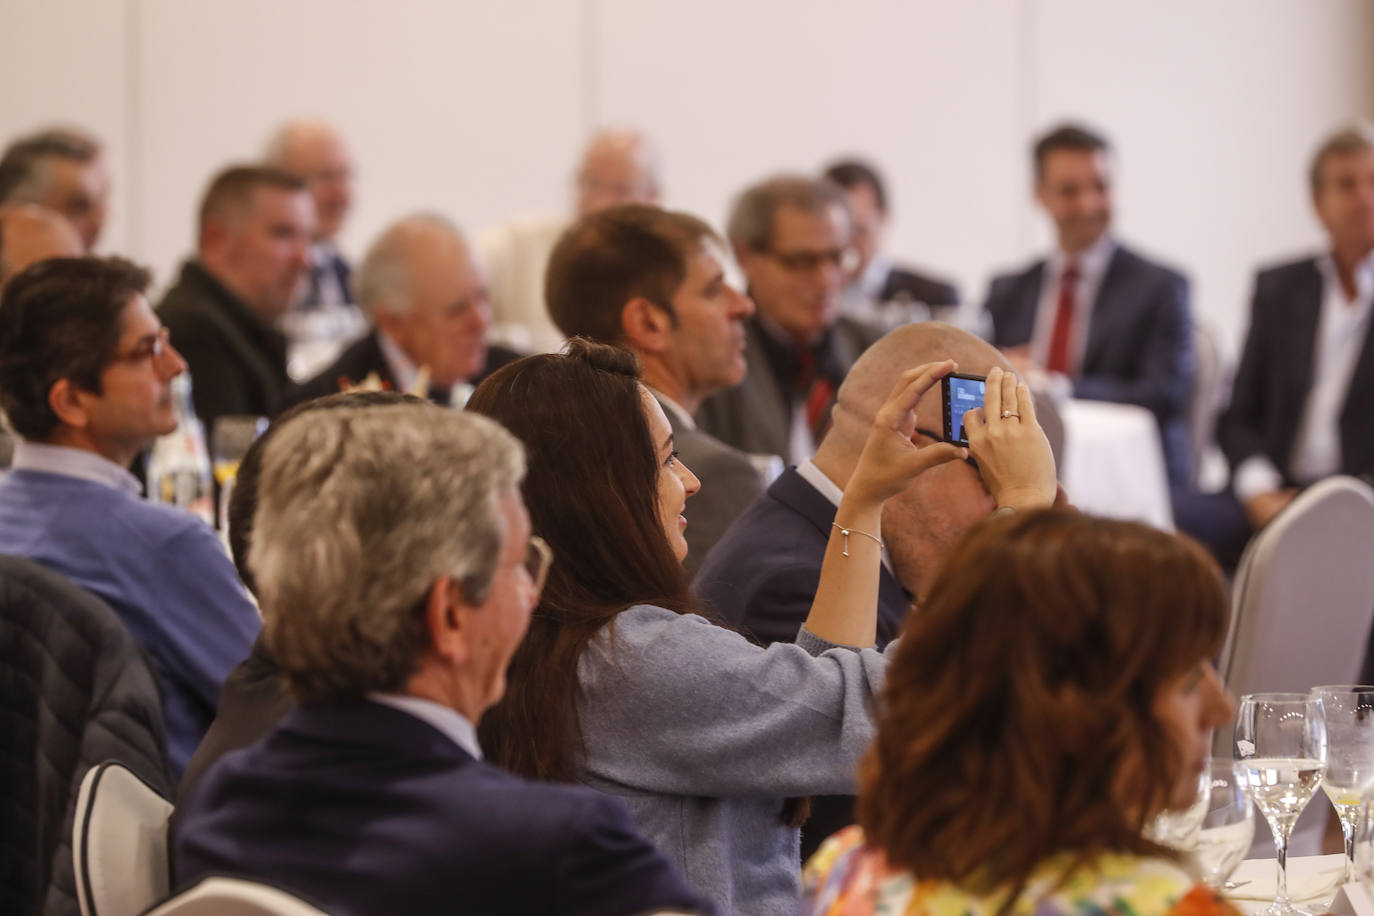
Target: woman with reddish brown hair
[(1055, 693)]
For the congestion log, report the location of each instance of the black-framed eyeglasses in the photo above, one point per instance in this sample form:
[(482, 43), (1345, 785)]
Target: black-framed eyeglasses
[(150, 347), (538, 559), (807, 261), (972, 462)]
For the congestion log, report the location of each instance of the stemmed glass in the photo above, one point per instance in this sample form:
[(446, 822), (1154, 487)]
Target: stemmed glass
[(229, 441), (1349, 776), (1228, 826), (1179, 829), (1281, 756)]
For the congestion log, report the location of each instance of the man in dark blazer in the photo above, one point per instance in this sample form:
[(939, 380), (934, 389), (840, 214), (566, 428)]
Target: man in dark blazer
[(253, 250), (762, 575), (791, 237), (1104, 322), (653, 281), (427, 296), (1299, 410), (394, 635), (877, 290)]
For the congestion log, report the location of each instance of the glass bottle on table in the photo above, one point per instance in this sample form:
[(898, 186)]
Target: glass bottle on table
[(1349, 776), (178, 471), (1281, 753)]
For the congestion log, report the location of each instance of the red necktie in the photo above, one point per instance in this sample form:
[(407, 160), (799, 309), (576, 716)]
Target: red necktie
[(818, 392), (1061, 338)]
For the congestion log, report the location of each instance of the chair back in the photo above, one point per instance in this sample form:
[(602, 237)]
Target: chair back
[(1304, 593), (234, 897), (1047, 414), (119, 844)]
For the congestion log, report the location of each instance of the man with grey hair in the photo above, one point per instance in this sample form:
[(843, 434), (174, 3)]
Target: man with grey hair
[(762, 575), (324, 319), (396, 571), (1294, 417), (427, 297), (618, 166), (29, 233), (63, 170), (791, 237)]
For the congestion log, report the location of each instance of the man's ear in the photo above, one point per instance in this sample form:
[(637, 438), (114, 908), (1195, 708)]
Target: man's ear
[(67, 401), (645, 326), (446, 620)]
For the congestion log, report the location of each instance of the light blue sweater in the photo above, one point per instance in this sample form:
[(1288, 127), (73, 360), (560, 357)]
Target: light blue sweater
[(702, 735)]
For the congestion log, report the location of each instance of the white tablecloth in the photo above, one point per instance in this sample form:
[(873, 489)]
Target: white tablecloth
[(1310, 878), (1113, 464)]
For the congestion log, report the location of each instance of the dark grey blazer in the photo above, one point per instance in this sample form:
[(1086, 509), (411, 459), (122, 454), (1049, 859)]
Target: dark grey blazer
[(756, 415), (1139, 348), (1275, 376), (729, 483)]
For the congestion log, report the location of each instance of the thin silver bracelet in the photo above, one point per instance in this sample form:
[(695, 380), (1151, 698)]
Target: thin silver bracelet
[(848, 531)]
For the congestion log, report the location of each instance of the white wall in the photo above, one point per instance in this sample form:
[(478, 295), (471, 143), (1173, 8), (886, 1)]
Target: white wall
[(477, 109)]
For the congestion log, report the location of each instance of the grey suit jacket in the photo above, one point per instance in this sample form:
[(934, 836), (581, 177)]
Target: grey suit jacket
[(729, 483), (756, 415)]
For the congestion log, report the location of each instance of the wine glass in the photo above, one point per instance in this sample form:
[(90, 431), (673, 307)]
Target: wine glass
[(1179, 828), (1228, 825), (1281, 756), (1349, 776), (229, 441)]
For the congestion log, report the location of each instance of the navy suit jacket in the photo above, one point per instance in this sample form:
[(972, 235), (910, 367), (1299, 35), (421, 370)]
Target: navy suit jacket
[(762, 575), (364, 809), (905, 283), (1275, 376), (363, 357), (1139, 348)]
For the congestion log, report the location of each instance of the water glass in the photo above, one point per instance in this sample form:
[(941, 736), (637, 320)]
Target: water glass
[(229, 441), (1228, 825), (1179, 829), (1349, 777), (1281, 756)]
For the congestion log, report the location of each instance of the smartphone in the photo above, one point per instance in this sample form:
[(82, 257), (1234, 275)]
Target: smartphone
[(961, 393)]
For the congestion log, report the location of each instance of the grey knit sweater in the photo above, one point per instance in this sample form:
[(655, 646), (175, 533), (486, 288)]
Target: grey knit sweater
[(703, 734)]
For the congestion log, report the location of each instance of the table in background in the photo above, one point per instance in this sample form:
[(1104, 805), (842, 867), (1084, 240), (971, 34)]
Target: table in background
[(1113, 464)]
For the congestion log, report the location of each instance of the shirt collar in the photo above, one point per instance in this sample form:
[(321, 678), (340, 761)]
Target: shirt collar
[(684, 419), (449, 722), (813, 475), (403, 368), (1364, 275), (1092, 261), (73, 462)]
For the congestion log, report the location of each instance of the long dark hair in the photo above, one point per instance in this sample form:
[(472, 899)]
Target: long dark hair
[(592, 494), (1023, 690)]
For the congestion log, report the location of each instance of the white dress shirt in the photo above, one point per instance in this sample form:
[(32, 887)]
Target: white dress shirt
[(1092, 267), (1341, 331), (451, 723)]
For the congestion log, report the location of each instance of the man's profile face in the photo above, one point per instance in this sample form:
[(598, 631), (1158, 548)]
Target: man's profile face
[(450, 311), (135, 405), (869, 223), (796, 282), (1345, 200), (708, 342), (267, 248), (497, 626), (80, 192), (1075, 188)]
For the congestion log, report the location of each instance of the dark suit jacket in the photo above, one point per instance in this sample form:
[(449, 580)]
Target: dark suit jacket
[(237, 363), (917, 287), (1275, 376), (729, 483), (756, 415), (363, 357), (364, 809), (762, 577), (1139, 348)]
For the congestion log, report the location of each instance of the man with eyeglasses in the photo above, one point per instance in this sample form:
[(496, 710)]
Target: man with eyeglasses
[(393, 634), (85, 381), (791, 237), (762, 575)]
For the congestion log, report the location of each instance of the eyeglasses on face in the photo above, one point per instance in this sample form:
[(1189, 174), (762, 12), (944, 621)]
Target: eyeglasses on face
[(150, 347), (538, 559), (807, 261)]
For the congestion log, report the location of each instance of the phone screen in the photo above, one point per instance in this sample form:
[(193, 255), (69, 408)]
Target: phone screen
[(964, 395)]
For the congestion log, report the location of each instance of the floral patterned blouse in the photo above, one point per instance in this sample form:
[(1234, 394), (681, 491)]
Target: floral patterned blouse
[(846, 878)]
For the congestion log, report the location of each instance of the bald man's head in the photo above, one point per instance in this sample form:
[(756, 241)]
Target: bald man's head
[(30, 233), (618, 167), (316, 153)]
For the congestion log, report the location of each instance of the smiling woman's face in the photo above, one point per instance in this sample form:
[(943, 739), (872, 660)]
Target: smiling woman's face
[(675, 481)]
